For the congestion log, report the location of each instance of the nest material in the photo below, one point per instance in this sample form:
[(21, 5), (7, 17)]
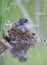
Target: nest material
[(2, 47)]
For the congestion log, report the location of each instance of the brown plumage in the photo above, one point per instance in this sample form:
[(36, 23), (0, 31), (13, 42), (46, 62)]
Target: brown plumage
[(18, 39)]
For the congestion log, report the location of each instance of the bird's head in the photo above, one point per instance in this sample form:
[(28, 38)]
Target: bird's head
[(22, 21)]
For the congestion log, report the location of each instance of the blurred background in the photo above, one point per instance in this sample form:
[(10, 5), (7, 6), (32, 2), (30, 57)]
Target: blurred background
[(36, 13)]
